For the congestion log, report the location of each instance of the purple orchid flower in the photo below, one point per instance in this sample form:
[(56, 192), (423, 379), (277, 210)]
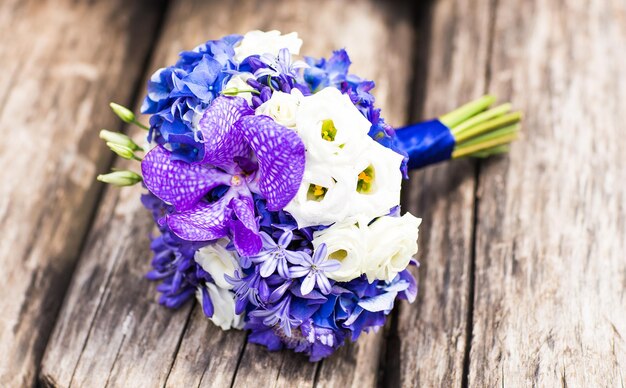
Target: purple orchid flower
[(313, 270), (248, 153), (275, 255)]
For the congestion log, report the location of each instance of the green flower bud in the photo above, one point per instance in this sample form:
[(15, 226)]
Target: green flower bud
[(122, 151), (120, 178), (119, 139), (123, 113)]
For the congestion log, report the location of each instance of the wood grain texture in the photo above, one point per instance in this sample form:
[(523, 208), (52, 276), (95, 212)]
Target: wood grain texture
[(550, 305), (111, 331), (428, 347), (61, 62)]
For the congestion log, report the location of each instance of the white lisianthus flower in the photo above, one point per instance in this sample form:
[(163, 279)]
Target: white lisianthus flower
[(259, 43), (391, 243), (223, 307), (218, 261), (377, 179), (239, 82), (282, 107), (321, 198), (345, 242), (331, 127), (340, 157), (380, 251)]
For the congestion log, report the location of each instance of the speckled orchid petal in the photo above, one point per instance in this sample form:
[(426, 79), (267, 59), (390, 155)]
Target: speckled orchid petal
[(245, 229), (179, 183), (280, 153), (206, 221), (222, 142)]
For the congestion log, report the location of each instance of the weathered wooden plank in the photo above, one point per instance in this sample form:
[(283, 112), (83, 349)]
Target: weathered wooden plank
[(60, 61), (432, 333), (108, 291), (551, 240)]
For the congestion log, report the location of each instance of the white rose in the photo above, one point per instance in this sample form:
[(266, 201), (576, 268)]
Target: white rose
[(377, 181), (223, 307), (271, 42), (346, 243), (391, 243), (218, 261), (331, 127), (239, 82), (282, 107)]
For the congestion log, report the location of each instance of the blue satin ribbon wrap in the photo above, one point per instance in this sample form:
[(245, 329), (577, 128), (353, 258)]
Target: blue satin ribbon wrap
[(426, 143)]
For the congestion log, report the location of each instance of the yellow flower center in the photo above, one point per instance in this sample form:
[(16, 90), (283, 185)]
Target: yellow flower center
[(316, 192), (328, 130), (366, 180)]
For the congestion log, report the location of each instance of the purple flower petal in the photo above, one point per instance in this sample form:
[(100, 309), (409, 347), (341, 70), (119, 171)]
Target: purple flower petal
[(323, 283), (223, 142), (207, 304), (247, 242), (329, 265), (382, 302), (206, 221), (280, 152), (285, 238), (295, 257), (268, 267), (299, 271), (308, 283), (243, 206), (178, 183)]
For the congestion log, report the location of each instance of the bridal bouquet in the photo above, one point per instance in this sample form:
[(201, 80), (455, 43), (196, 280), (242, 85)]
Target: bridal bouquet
[(275, 185)]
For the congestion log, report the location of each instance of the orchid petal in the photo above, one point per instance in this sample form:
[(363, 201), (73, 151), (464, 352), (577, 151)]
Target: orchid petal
[(247, 242), (280, 153), (222, 141), (206, 221), (178, 183), (243, 206)]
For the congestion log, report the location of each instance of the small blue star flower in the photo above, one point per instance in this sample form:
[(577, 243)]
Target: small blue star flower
[(314, 269), (275, 255)]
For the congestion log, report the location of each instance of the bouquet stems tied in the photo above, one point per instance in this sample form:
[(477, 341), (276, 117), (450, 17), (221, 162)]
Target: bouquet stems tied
[(482, 131)]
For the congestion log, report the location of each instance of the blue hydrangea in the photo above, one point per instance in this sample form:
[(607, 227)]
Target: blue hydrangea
[(177, 93)]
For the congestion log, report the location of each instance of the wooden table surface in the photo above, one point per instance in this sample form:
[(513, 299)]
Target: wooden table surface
[(523, 257)]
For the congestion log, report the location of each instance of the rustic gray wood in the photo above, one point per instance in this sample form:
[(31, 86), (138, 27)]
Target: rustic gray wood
[(61, 61), (111, 331), (551, 240), (432, 333)]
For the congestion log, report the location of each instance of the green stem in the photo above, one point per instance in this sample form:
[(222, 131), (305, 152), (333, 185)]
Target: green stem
[(488, 126), (140, 125), (497, 150), (489, 140), (481, 118), (468, 110)]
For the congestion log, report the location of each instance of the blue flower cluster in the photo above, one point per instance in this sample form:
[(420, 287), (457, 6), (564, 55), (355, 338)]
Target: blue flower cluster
[(283, 291), (176, 94)]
